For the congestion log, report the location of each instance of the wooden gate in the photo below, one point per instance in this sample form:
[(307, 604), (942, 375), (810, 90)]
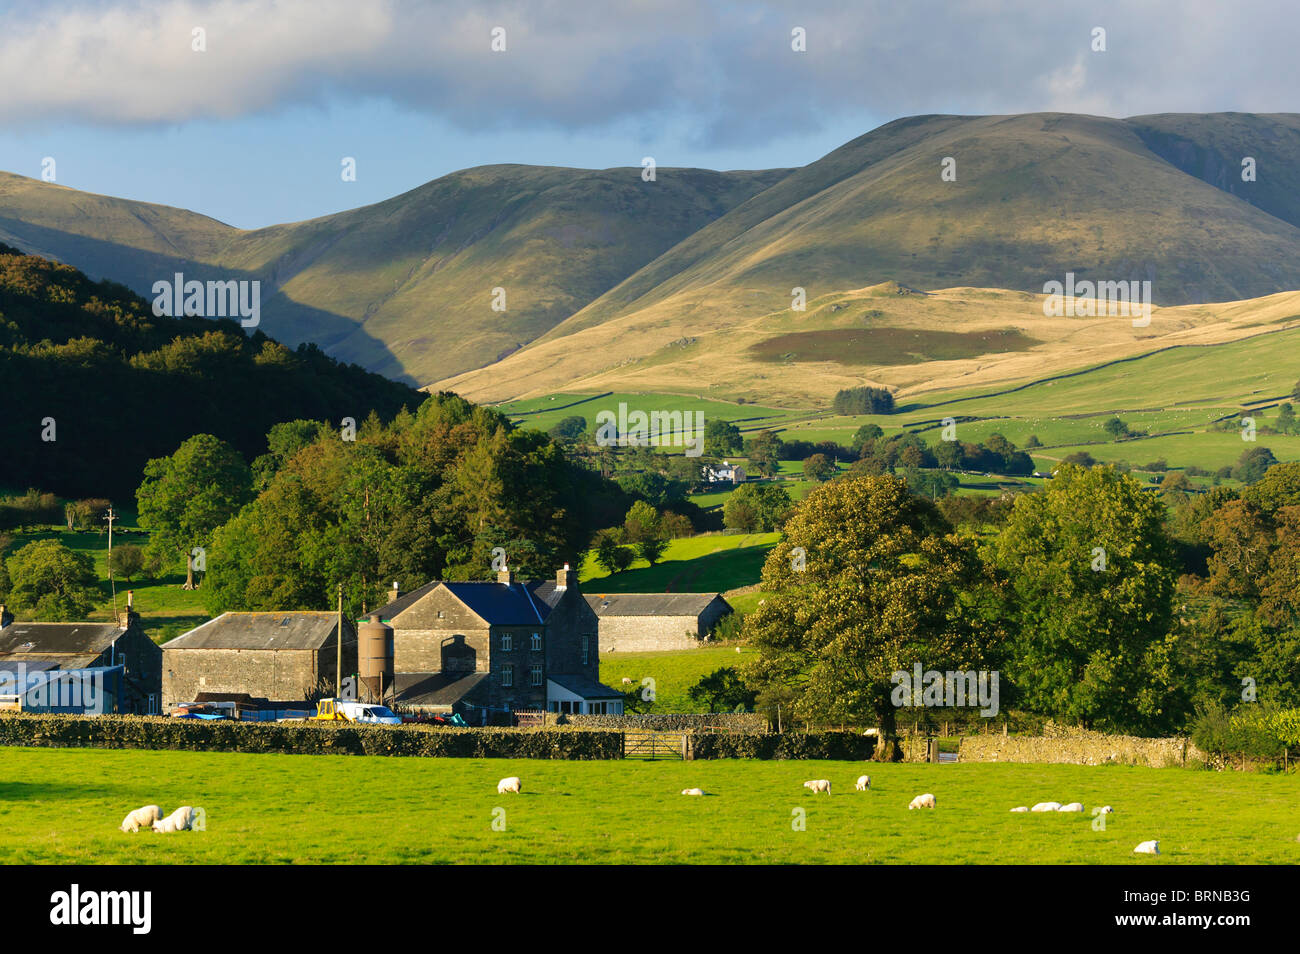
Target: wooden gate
[(655, 745)]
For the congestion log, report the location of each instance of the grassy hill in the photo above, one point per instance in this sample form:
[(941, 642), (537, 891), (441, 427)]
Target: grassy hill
[(403, 287)]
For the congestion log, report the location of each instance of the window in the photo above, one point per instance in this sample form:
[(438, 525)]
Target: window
[(507, 676), (537, 642), (507, 642), (536, 675), (586, 648)]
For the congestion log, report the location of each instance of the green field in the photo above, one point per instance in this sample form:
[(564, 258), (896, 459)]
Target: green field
[(709, 563), (673, 672), (62, 806)]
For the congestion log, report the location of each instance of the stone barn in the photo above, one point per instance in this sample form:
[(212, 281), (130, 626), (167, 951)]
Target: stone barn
[(287, 655), (646, 622), (119, 656)]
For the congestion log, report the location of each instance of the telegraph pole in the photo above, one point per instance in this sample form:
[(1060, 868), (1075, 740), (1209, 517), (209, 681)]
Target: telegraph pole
[(338, 670), (110, 517)]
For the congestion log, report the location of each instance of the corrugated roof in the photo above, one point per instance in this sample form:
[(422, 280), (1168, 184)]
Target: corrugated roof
[(296, 630), (582, 686), (50, 638), (652, 604)]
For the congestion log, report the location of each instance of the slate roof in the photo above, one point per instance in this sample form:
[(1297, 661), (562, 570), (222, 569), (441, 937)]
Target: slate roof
[(652, 604), (498, 604), (46, 639), (582, 686), (435, 688), (284, 630)]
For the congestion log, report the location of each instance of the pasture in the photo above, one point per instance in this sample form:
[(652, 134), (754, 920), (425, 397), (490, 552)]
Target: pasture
[(674, 673), (62, 806)]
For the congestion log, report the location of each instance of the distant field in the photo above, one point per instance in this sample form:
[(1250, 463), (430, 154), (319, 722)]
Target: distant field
[(888, 346), (703, 564), (62, 806), (544, 413), (673, 672)]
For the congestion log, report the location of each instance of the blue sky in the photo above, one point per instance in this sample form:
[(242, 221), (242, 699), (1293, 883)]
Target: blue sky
[(252, 128)]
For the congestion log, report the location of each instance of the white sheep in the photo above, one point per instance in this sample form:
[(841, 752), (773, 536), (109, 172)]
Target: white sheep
[(1105, 810), (1147, 848), (864, 783), (922, 801), (1072, 807), (818, 785), (1021, 808), (692, 791), (1046, 807), (179, 820), (627, 681), (511, 784), (141, 818)]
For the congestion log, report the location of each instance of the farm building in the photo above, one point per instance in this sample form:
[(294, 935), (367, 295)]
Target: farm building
[(108, 667), (644, 622), (287, 655), (725, 474), (505, 645)]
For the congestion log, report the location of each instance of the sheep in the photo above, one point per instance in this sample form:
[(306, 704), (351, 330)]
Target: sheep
[(1072, 807), (1046, 807), (864, 783), (627, 681), (511, 784), (179, 820), (1147, 848), (1021, 808), (818, 785), (922, 801), (1104, 810), (141, 818), (692, 791)]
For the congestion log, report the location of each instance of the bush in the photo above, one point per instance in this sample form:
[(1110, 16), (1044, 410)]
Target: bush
[(842, 746), (1253, 731)]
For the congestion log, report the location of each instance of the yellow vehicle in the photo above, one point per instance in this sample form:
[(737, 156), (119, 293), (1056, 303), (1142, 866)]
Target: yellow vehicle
[(327, 711), (330, 710)]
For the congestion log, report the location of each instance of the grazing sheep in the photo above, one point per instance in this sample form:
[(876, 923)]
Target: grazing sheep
[(1046, 807), (1072, 807), (511, 784), (922, 801), (1147, 848), (179, 820), (864, 783), (692, 791), (141, 818), (1022, 808), (1105, 810), (818, 785), (627, 681)]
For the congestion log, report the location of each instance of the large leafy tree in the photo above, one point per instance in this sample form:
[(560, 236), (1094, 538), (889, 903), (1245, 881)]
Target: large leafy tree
[(53, 581), (867, 581), (184, 498), (1092, 575)]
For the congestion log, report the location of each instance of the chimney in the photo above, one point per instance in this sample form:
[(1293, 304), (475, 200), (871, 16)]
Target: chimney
[(505, 575), (6, 617), (565, 578), (129, 616), (396, 592)]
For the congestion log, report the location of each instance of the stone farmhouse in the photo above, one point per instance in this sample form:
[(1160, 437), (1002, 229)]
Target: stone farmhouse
[(288, 655), (644, 622), (483, 647), (46, 666)]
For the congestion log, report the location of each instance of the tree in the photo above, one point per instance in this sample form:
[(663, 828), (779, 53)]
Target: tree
[(570, 428), (53, 581), (764, 452), (1091, 581), (756, 508), (1253, 464), (722, 691), (1286, 422), (853, 401), (644, 528), (126, 561), (722, 438), (818, 467), (867, 581), (184, 498), (1115, 428), (611, 555), (864, 435)]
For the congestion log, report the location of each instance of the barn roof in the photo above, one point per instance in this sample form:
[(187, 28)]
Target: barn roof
[(45, 639), (296, 630), (434, 688), (652, 604), (582, 686)]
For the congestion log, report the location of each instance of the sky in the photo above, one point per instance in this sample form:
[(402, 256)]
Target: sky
[(245, 110)]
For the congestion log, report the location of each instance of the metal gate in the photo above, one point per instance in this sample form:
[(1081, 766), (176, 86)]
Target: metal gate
[(655, 745)]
